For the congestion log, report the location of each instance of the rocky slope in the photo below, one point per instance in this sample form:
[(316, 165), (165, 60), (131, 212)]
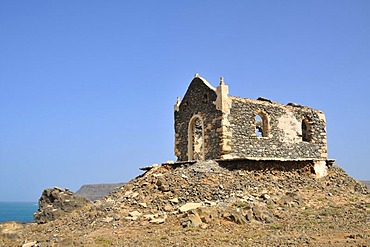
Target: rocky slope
[(93, 192), (367, 183), (207, 204)]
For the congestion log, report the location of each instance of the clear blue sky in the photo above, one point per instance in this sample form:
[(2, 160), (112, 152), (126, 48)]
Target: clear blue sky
[(87, 88)]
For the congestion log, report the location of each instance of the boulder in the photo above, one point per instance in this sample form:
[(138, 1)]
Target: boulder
[(235, 216), (158, 221), (57, 202), (194, 220), (261, 214), (189, 206)]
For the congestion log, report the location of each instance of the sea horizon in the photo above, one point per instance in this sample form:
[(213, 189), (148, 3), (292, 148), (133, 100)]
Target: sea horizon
[(17, 211)]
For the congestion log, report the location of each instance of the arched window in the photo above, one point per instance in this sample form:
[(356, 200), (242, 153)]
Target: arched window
[(196, 139), (306, 130), (259, 126), (261, 123)]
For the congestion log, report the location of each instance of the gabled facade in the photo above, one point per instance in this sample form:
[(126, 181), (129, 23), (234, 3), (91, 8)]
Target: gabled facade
[(211, 124)]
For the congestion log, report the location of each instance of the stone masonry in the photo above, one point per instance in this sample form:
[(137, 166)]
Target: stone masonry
[(211, 124)]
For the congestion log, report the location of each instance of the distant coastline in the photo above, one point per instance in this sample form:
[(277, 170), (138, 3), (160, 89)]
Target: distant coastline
[(94, 192)]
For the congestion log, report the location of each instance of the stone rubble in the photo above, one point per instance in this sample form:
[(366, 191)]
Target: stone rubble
[(240, 196), (208, 196)]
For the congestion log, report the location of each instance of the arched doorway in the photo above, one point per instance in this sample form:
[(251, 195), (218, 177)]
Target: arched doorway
[(196, 138)]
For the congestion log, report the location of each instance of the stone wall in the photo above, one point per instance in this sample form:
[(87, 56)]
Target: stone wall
[(210, 124), (301, 167), (282, 136), (198, 103)]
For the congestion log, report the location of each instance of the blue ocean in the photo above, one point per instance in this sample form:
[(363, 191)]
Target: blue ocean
[(17, 211)]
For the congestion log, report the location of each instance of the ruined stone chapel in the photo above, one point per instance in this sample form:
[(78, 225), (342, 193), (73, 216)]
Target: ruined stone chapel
[(211, 124)]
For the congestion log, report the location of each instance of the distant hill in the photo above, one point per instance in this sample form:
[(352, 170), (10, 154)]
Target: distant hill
[(367, 183), (94, 192)]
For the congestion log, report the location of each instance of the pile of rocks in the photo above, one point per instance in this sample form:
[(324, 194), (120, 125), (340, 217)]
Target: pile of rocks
[(206, 192), (57, 202), (169, 203)]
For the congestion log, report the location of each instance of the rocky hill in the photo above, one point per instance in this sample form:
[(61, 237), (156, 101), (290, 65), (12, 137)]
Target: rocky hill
[(367, 183), (208, 204), (57, 202), (93, 192)]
